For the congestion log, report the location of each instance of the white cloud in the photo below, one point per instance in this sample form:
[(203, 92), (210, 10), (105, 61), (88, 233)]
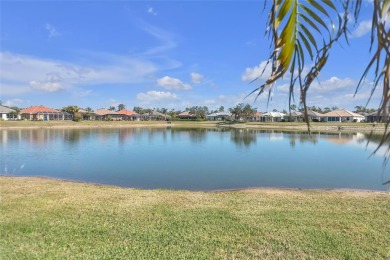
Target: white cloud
[(156, 96), (256, 72), (13, 102), (196, 78), (52, 30), (172, 84), (151, 11), (49, 86), (333, 84), (53, 75), (363, 28)]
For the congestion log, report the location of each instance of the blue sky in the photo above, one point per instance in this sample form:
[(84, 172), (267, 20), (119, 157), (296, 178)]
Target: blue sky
[(172, 54)]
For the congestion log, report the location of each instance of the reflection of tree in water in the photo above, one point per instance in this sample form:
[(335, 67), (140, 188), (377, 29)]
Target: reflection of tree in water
[(72, 136), (196, 135), (243, 137)]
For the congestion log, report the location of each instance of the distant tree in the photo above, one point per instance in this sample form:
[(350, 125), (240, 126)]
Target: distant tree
[(112, 108), (15, 113), (293, 107), (248, 111), (275, 110), (121, 107), (199, 111), (334, 108), (163, 110), (221, 109), (284, 111), (88, 109), (138, 110), (363, 109), (72, 110), (242, 111), (326, 110)]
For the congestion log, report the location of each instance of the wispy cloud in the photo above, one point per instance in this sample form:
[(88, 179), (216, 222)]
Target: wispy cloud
[(196, 78), (151, 11), (166, 39), (363, 28), (172, 84), (52, 31), (158, 99), (257, 72), (55, 75)]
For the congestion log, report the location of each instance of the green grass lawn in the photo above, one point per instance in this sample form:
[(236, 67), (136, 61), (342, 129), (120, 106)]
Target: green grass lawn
[(45, 219)]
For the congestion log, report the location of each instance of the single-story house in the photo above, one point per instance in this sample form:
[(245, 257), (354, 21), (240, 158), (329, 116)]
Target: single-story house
[(7, 113), (342, 115), (186, 115), (105, 114), (256, 117), (128, 115), (44, 113), (376, 118), (314, 116), (221, 116), (295, 116), (272, 117), (87, 115)]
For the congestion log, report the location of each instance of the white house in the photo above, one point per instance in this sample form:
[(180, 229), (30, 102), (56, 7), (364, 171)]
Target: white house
[(6, 113), (342, 115), (219, 116), (272, 117)]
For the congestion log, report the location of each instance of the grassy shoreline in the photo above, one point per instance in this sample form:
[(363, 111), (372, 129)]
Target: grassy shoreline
[(346, 127), (47, 218)]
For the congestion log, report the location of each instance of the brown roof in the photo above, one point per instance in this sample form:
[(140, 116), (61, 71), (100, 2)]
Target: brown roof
[(127, 112), (185, 113), (103, 112), (342, 113), (38, 109)]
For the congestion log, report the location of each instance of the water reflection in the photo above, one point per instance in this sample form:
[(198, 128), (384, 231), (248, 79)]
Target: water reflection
[(197, 158)]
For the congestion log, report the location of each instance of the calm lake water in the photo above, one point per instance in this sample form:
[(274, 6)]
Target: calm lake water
[(195, 159)]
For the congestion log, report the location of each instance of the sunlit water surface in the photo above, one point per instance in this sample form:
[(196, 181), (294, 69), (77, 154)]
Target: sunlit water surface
[(195, 159)]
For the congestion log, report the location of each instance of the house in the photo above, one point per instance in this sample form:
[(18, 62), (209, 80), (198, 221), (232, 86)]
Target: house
[(314, 116), (221, 116), (186, 115), (128, 115), (44, 113), (342, 115), (7, 113), (295, 116), (376, 118), (108, 115), (87, 115), (256, 117), (272, 117), (154, 115)]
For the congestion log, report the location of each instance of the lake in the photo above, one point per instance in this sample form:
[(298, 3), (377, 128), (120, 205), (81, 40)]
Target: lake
[(195, 159)]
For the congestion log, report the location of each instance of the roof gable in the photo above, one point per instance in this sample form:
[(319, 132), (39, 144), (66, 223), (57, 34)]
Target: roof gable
[(38, 109)]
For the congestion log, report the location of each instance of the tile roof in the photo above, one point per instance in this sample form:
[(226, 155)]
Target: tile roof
[(38, 109), (127, 112), (342, 113), (103, 112), (6, 110)]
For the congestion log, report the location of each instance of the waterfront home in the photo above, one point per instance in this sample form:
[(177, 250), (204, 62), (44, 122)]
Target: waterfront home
[(314, 116), (44, 113), (129, 115), (105, 114), (342, 115), (272, 117), (87, 115), (7, 113), (377, 117), (295, 116), (256, 117), (186, 115), (220, 116)]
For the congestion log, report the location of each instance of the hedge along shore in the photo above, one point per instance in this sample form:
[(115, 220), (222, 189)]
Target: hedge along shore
[(43, 218), (339, 127)]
